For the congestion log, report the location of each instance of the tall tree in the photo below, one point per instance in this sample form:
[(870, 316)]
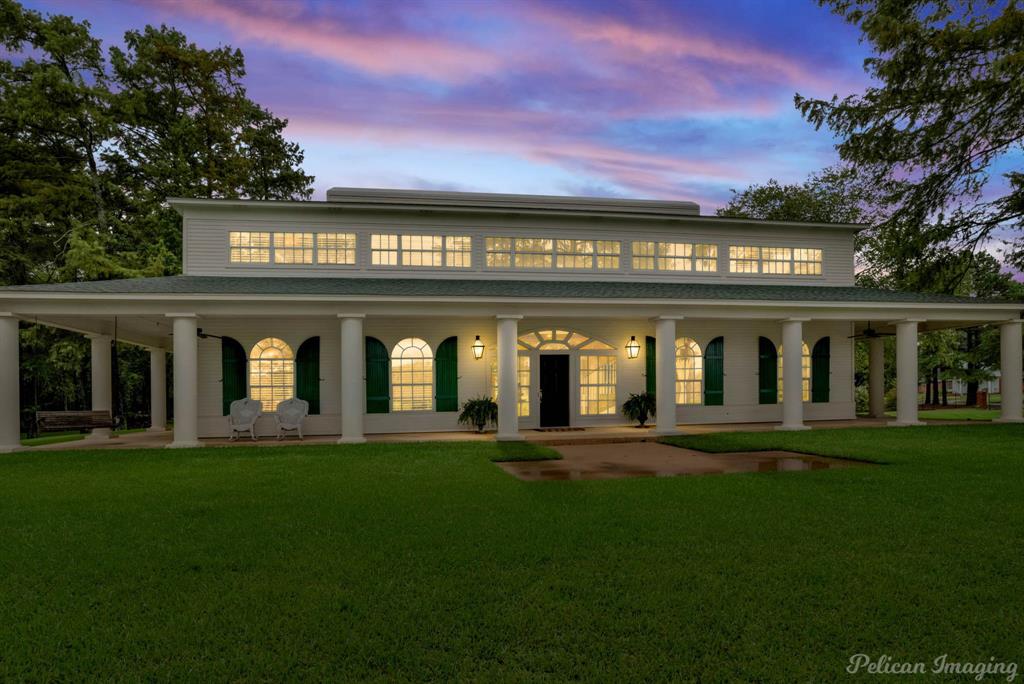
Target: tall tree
[(91, 145), (948, 104)]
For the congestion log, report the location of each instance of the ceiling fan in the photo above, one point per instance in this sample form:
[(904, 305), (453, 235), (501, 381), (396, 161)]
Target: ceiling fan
[(870, 334)]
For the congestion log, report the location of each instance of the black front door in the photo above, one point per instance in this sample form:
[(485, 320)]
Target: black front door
[(554, 390)]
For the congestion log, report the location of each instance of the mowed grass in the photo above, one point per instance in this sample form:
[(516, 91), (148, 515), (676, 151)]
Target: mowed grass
[(426, 561)]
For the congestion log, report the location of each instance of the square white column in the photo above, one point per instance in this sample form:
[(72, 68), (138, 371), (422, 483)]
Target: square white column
[(186, 381), (906, 373), (665, 372), (1010, 371), (792, 375), (876, 377), (353, 382), (101, 379), (508, 378), (157, 390), (10, 389)]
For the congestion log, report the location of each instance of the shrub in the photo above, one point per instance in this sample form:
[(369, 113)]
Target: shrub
[(479, 412), (639, 407)]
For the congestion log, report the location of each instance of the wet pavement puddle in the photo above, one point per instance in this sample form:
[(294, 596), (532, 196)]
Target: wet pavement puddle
[(651, 459)]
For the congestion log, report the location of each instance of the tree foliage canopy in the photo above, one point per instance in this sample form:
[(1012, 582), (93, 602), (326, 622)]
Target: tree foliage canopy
[(92, 143), (948, 105)]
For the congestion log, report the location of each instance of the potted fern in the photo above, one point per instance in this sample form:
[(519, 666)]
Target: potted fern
[(639, 407), (479, 412)]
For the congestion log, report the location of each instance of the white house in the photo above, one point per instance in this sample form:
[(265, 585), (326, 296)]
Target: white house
[(387, 309)]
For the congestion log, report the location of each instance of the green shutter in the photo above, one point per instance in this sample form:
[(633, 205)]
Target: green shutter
[(378, 377), (307, 374), (714, 373), (232, 372), (651, 366), (446, 370), (820, 362), (768, 371)]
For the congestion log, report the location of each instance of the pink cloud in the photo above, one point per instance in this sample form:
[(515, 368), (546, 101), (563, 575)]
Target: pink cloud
[(395, 53), (642, 173)]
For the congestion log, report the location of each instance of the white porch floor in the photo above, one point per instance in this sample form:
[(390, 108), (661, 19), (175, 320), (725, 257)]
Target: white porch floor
[(594, 435)]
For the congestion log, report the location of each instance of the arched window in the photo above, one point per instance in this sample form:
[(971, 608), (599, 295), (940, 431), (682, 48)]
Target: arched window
[(805, 371), (271, 372), (412, 375), (689, 371)]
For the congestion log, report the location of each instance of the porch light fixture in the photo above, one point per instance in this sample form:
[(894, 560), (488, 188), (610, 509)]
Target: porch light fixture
[(632, 347), (478, 348)]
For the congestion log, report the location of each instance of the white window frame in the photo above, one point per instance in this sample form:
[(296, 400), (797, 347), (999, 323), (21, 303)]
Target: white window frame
[(582, 400), (272, 246), (801, 262), (431, 371), (688, 257), (284, 365), (403, 247), (562, 254)]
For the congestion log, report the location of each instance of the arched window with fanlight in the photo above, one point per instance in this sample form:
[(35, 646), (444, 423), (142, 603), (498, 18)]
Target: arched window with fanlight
[(271, 372), (689, 371), (805, 372), (412, 376)]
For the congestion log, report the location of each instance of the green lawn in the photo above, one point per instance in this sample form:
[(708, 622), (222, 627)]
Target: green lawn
[(426, 561)]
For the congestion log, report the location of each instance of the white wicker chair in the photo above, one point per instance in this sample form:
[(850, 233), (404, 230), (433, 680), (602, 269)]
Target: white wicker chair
[(242, 417), (290, 414)]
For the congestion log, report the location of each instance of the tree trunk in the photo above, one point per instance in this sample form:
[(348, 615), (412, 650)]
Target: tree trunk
[(927, 389), (945, 396)]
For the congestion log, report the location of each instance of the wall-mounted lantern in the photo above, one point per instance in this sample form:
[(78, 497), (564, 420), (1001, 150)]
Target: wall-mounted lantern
[(632, 347), (478, 348)]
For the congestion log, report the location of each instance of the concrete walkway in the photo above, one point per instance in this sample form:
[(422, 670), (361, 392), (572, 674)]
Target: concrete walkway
[(594, 435)]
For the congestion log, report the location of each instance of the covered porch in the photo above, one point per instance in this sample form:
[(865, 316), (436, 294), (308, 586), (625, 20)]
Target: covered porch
[(733, 361)]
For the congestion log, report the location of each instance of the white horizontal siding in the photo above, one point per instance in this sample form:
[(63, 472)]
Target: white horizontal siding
[(206, 244)]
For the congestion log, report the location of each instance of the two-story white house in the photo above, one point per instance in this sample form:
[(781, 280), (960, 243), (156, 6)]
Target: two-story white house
[(386, 309)]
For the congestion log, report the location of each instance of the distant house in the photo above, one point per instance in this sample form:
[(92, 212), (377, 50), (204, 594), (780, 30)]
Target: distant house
[(386, 309)]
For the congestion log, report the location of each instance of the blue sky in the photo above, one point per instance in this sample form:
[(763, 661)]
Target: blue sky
[(639, 99)]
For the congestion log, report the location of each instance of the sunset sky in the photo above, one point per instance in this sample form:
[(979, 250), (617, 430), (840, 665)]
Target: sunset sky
[(672, 100)]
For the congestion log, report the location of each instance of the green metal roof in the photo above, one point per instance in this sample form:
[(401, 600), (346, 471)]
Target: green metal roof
[(521, 289)]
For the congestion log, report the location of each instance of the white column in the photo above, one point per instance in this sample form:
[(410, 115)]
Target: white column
[(792, 375), (906, 373), (186, 381), (876, 377), (1010, 371), (665, 371), (10, 401), (101, 378), (157, 390), (508, 379), (353, 381)]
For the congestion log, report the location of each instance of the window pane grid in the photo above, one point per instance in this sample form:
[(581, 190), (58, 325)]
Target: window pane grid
[(689, 371), (597, 385), (775, 260), (458, 251), (674, 256), (412, 375), (271, 372), (422, 250), (608, 254), (384, 250), (532, 252), (805, 372), (293, 248), (336, 248), (574, 253), (249, 248)]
